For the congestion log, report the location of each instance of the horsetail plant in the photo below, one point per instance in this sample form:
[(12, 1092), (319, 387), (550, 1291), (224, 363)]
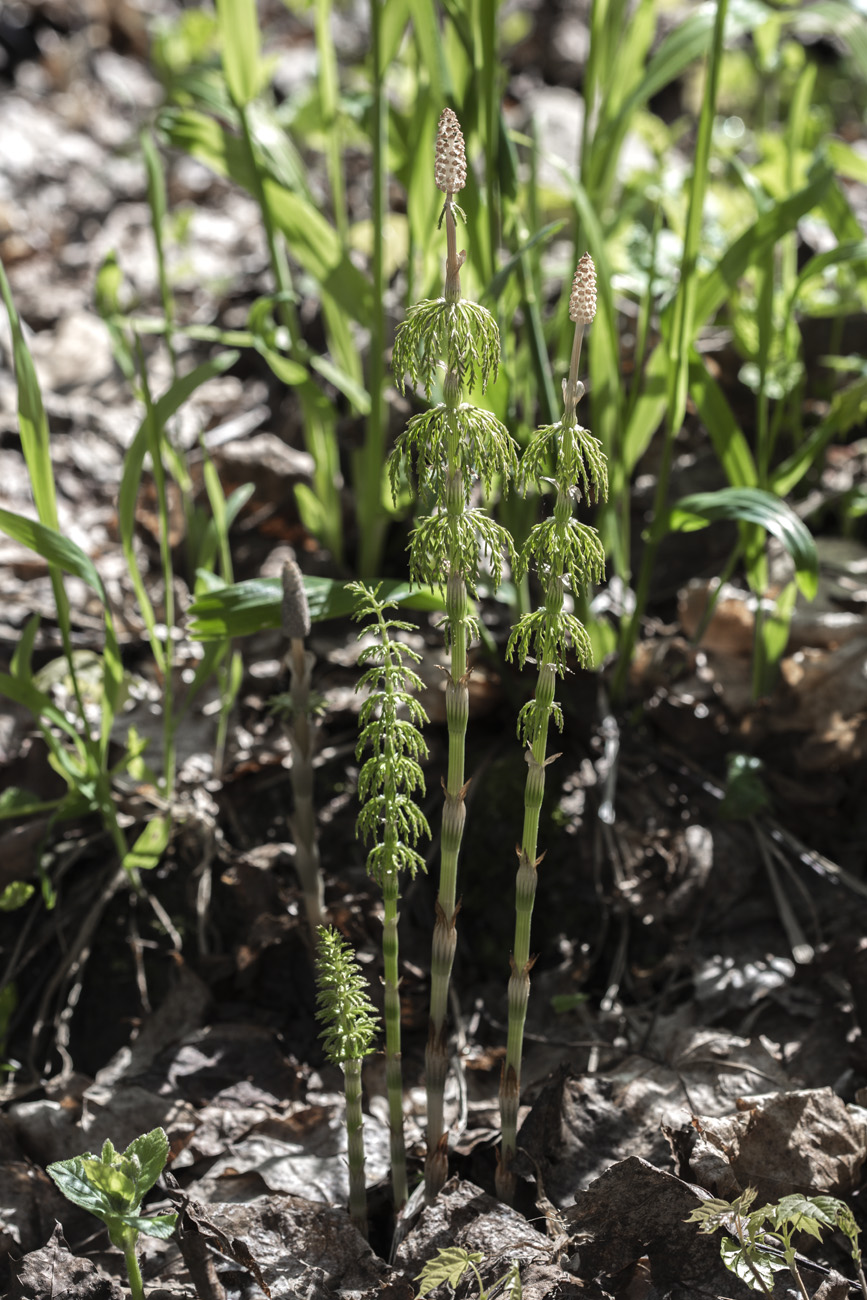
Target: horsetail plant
[(296, 628), (349, 1023), (563, 551), (390, 818), (448, 448)]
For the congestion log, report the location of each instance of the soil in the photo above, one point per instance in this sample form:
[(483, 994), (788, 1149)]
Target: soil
[(699, 996)]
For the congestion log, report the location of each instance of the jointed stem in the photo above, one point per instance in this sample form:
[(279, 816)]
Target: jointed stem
[(393, 1072), (457, 714), (355, 1145), (550, 639)]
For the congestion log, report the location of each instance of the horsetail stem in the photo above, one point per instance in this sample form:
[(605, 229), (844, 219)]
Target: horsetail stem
[(349, 1023), (562, 550), (389, 817), (296, 627), (448, 448)]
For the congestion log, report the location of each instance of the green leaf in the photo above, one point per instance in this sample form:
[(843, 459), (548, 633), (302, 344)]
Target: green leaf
[(53, 547), (316, 245), (748, 1261), (151, 1150), (252, 606), (148, 849), (114, 1182), (755, 506), (40, 705), (158, 1225), (729, 443), (448, 1265), (239, 47), (74, 1181), (32, 421), (500, 280)]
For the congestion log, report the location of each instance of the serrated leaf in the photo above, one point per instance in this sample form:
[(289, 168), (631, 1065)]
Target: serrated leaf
[(115, 1183), (803, 1214), (151, 1150), (448, 1265), (73, 1180), (751, 1263)]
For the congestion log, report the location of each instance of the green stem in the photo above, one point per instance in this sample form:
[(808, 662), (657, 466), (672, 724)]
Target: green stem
[(355, 1146), (136, 1285), (393, 1071), (457, 715)]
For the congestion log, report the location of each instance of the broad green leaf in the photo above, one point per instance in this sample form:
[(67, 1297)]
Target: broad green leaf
[(248, 607), (53, 547), (729, 443), (315, 244), (754, 506), (239, 47), (152, 1151), (716, 286), (204, 138), (157, 1225), (395, 19), (149, 848), (448, 1265), (72, 1177), (114, 1182), (748, 1261), (804, 1214)]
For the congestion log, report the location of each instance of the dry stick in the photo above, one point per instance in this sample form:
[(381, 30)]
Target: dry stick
[(296, 627), (562, 549)]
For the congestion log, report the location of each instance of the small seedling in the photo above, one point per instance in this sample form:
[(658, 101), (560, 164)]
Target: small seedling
[(112, 1186), (349, 1023), (762, 1240), (452, 1262)]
